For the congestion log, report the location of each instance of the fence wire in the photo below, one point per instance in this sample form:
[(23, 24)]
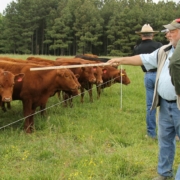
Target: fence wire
[(37, 112)]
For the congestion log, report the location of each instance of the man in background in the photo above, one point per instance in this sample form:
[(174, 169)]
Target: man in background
[(147, 45)]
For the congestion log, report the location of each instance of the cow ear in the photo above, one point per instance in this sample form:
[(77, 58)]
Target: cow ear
[(104, 71), (77, 76), (60, 72), (19, 77)]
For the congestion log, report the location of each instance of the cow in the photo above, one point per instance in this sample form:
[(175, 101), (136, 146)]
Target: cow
[(113, 76), (7, 81), (67, 96), (87, 75), (37, 86)]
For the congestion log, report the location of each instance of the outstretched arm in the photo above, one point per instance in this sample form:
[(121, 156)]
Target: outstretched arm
[(130, 60)]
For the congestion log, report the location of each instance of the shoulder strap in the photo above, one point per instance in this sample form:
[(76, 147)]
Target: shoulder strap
[(160, 52)]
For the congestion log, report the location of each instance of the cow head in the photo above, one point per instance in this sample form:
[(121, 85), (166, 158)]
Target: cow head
[(122, 77), (88, 74), (98, 72), (7, 81), (67, 81)]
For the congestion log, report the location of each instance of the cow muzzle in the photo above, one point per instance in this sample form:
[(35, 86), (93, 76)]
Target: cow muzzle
[(6, 99)]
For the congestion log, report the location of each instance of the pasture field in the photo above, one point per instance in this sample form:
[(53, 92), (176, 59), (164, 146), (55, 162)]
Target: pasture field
[(103, 140)]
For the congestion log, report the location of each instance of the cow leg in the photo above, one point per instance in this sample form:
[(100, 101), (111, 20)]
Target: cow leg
[(27, 111), (42, 109), (89, 88), (3, 107), (31, 121), (58, 94), (65, 99), (71, 101), (8, 105), (90, 95), (82, 94), (98, 88), (29, 124)]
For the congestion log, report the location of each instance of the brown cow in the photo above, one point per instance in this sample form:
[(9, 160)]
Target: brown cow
[(67, 96), (7, 81), (86, 74), (113, 76), (37, 87)]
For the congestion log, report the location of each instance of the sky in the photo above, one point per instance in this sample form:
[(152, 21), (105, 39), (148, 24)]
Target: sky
[(4, 3)]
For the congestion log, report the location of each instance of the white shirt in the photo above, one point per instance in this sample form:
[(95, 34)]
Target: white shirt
[(165, 87)]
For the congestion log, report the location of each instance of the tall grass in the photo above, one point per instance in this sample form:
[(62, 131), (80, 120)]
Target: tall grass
[(103, 140)]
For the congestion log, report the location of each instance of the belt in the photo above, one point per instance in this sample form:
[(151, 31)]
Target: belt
[(168, 101), (172, 101), (152, 70)]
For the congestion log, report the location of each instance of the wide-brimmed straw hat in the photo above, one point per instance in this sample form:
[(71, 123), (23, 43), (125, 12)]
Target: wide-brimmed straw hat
[(146, 28), (175, 24)]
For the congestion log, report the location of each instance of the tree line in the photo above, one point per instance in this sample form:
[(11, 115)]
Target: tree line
[(70, 27)]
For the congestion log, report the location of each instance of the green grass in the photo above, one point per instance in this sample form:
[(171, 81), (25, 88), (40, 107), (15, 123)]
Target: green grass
[(97, 141)]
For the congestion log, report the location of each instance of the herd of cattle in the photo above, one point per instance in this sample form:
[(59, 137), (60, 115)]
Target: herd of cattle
[(33, 88)]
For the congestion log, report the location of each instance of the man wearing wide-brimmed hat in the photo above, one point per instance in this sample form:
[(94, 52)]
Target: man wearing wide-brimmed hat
[(164, 96), (147, 45)]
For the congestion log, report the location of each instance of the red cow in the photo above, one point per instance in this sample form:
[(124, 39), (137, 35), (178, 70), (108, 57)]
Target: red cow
[(113, 76), (67, 96), (37, 87)]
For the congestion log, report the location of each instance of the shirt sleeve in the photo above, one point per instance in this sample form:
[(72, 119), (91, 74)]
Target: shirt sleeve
[(149, 60)]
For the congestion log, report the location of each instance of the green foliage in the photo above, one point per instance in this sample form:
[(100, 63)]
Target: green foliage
[(68, 27)]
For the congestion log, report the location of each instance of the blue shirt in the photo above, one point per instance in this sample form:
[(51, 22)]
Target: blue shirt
[(165, 87)]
